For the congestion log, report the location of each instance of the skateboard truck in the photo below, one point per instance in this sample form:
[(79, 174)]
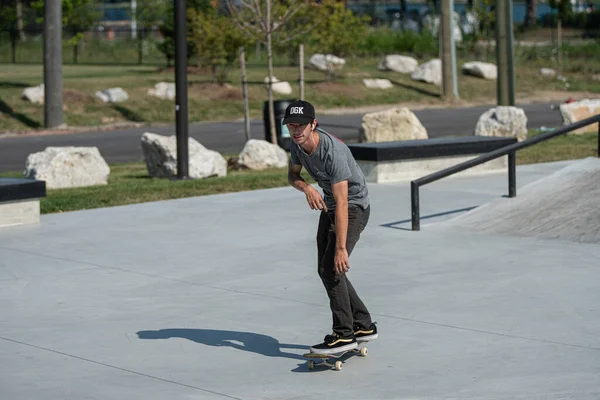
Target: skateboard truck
[(337, 365)]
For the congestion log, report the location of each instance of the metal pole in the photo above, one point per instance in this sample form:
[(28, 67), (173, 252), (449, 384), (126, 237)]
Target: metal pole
[(598, 139), (301, 64), (53, 102), (501, 53), (510, 67), (453, 52), (181, 110), (512, 174), (446, 39), (414, 204)]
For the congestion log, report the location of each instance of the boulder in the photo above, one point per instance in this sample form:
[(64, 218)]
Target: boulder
[(398, 63), (481, 69), (503, 121), (163, 90), (547, 72), (260, 154), (378, 83), (67, 167), (160, 155), (34, 94), (398, 123), (430, 72), (326, 62), (112, 95), (279, 87), (578, 110)]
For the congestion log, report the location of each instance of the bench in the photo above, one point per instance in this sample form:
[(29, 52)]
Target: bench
[(411, 159), (20, 201)]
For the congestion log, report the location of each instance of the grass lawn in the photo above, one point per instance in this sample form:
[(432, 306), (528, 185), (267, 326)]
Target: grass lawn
[(208, 101), (129, 183)]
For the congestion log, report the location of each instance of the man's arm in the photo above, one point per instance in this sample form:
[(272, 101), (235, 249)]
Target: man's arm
[(313, 197), (294, 177), (340, 194)]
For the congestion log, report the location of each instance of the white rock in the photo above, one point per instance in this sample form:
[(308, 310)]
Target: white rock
[(398, 63), (163, 90), (378, 83), (578, 110), (504, 121), (481, 69), (325, 62), (547, 72), (430, 72), (260, 154), (34, 94), (112, 95), (280, 87), (160, 154), (66, 167), (398, 123)]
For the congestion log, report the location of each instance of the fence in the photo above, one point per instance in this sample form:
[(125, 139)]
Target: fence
[(101, 46)]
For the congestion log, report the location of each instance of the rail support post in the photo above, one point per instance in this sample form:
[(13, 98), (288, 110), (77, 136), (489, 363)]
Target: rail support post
[(414, 203), (512, 174)]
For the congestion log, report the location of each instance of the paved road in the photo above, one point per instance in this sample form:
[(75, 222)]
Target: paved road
[(229, 137)]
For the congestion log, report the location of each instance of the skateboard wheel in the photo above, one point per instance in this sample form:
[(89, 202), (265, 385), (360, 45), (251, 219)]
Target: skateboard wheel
[(311, 364), (364, 352), (338, 365)]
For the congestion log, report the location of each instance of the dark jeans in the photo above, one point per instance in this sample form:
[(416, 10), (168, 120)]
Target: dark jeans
[(346, 307)]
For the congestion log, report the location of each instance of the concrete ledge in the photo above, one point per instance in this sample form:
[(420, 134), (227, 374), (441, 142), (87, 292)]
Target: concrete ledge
[(407, 170), (20, 201), (19, 212)]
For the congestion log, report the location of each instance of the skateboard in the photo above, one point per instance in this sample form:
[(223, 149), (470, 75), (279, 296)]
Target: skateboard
[(315, 359)]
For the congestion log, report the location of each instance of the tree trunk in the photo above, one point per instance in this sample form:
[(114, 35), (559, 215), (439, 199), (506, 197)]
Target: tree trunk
[(245, 93), (20, 20), (531, 14), (270, 66)]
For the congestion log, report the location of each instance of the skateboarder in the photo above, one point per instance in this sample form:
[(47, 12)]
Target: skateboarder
[(344, 213)]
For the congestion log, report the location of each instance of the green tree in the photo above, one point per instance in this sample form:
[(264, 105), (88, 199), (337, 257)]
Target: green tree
[(339, 31), (268, 21), (78, 16), (217, 41), (167, 28), (150, 12)]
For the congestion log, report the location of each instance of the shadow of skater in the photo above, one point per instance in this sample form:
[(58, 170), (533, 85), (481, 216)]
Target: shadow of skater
[(246, 341)]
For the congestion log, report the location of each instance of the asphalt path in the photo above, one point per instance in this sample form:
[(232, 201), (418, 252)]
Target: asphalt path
[(229, 137)]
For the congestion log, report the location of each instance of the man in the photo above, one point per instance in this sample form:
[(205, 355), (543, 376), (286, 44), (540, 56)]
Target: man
[(345, 211)]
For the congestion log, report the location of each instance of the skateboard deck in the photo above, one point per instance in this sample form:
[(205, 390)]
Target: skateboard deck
[(324, 359)]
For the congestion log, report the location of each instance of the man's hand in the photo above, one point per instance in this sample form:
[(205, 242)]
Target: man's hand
[(341, 263), (314, 199)]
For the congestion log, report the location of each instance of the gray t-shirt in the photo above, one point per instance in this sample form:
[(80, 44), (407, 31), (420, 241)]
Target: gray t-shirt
[(330, 163)]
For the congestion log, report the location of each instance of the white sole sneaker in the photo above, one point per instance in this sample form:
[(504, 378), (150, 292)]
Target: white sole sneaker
[(335, 350), (367, 338)]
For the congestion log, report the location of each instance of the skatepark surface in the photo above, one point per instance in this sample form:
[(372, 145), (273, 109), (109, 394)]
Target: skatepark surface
[(218, 297)]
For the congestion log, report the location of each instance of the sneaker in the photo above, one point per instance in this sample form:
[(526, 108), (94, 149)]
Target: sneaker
[(334, 344), (365, 335)]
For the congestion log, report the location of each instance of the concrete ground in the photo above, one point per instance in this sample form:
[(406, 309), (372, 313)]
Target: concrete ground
[(218, 297)]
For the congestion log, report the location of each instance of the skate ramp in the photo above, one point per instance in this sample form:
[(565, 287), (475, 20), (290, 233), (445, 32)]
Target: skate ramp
[(563, 205)]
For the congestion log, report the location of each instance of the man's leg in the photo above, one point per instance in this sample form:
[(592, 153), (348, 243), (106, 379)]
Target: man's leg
[(345, 304), (360, 218)]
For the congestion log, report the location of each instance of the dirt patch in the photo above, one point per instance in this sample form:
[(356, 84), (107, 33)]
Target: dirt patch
[(191, 70), (336, 88), (215, 91), (71, 96)]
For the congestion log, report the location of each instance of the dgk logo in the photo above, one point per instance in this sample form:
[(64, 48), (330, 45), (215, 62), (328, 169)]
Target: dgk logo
[(296, 110)]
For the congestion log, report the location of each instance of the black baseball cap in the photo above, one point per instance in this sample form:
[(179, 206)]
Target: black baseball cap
[(299, 112)]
